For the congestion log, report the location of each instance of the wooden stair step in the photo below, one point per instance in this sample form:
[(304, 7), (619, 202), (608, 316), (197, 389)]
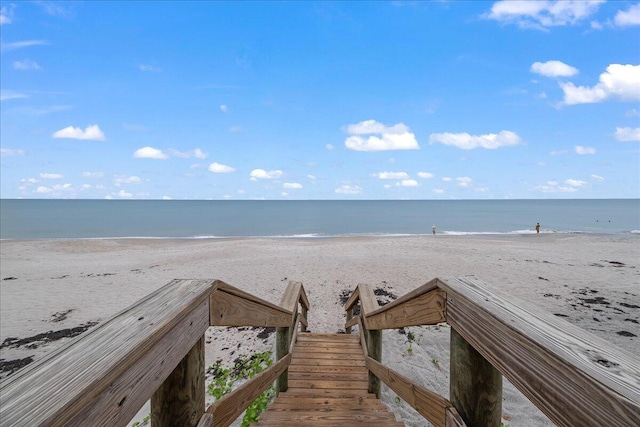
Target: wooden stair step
[(328, 384)]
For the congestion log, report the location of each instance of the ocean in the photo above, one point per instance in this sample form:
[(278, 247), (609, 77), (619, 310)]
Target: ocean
[(198, 219)]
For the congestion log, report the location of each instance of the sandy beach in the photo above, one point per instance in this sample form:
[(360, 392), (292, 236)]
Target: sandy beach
[(57, 288)]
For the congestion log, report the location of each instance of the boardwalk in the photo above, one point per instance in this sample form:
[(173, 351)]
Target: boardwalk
[(327, 386)]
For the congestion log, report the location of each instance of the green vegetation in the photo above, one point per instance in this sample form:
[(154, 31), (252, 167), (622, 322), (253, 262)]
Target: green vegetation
[(244, 367)]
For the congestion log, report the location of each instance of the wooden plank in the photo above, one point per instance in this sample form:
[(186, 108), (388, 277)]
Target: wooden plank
[(327, 337), (247, 296), (351, 322), (231, 405), (107, 374), (427, 403), (452, 418), (297, 406), (179, 401), (285, 399), (326, 393), (300, 354), (295, 369), (229, 309), (329, 375), (291, 296), (552, 362), (368, 300), (475, 385), (334, 385), (326, 362), (355, 296), (424, 309), (303, 299), (326, 418), (424, 289), (206, 421)]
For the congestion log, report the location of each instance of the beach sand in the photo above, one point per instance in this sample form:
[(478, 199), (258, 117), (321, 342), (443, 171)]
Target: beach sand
[(67, 286)]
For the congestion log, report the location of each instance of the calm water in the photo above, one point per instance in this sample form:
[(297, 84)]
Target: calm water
[(52, 219)]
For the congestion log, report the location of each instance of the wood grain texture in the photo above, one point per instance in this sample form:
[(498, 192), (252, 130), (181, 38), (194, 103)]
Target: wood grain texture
[(231, 405), (552, 362), (179, 401), (206, 421), (475, 385), (427, 403), (426, 308), (291, 296), (368, 300), (353, 299), (424, 289), (350, 324), (231, 309), (452, 418), (107, 374)]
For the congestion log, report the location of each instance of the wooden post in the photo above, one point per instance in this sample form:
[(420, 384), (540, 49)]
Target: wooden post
[(476, 386), (349, 317), (374, 348), (305, 312), (283, 341), (179, 401)]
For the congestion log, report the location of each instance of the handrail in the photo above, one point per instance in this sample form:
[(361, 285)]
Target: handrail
[(552, 362), (104, 376)]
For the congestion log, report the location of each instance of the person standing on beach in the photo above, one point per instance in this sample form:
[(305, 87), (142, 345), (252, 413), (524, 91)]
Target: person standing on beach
[(433, 229), (538, 228)]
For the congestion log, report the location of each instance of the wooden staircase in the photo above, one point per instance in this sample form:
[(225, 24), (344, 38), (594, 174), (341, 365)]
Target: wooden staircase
[(327, 387)]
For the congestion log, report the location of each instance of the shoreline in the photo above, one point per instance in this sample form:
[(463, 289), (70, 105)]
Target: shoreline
[(49, 286)]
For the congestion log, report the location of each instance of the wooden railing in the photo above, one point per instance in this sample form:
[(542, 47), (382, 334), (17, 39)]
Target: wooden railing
[(574, 377), (152, 350)]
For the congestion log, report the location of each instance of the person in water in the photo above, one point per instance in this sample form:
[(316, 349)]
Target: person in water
[(433, 229), (538, 228)]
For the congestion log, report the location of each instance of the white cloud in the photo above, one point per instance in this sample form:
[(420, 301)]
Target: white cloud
[(574, 182), (446, 179), (150, 153), (119, 180), (464, 181), (6, 95), (349, 189), (197, 153), (51, 176), (235, 129), (166, 198), (284, 194), (391, 175), (407, 183), (632, 113), (6, 47), (292, 185), (584, 150), (597, 177), (149, 68), (11, 152), (553, 69), (43, 190), (27, 64), (619, 81), (396, 137), (542, 14), (5, 15), (220, 168), (425, 175), (224, 108), (257, 174), (629, 17), (92, 174), (627, 134), (553, 187), (312, 177), (91, 133), (123, 194), (329, 147), (466, 141), (438, 191)]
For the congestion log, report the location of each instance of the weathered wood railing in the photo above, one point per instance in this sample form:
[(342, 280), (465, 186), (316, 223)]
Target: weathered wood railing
[(151, 350), (574, 377)]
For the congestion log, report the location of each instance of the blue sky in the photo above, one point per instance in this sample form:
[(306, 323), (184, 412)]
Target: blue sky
[(312, 100)]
